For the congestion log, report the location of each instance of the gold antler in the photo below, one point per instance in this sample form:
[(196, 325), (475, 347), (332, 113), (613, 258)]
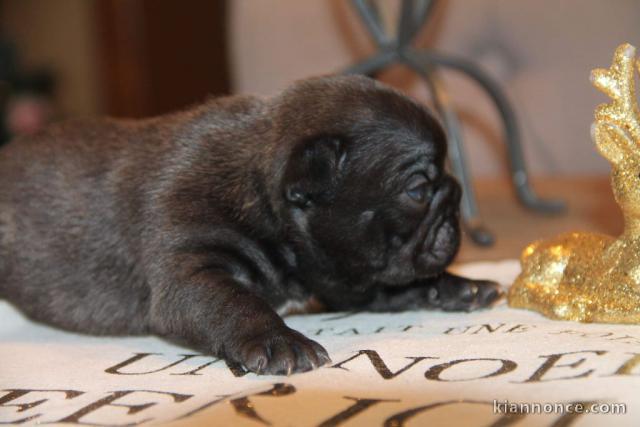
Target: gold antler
[(618, 83)]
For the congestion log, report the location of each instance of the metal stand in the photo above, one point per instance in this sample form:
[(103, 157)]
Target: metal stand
[(425, 63)]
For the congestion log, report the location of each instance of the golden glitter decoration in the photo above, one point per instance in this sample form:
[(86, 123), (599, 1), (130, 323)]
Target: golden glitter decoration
[(590, 277)]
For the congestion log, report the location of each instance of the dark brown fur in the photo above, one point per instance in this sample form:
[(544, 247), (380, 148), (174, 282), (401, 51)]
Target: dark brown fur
[(197, 226)]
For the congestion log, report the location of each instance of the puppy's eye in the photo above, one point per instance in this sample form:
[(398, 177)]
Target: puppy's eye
[(417, 189)]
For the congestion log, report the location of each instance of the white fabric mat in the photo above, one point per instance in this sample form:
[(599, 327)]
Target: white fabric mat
[(412, 369)]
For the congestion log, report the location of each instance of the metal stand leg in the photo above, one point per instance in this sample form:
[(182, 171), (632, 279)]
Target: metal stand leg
[(371, 65), (413, 14), (519, 175), (457, 157), (369, 14)]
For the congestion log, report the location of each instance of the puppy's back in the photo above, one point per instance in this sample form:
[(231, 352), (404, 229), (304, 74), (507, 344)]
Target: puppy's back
[(76, 197), (59, 221)]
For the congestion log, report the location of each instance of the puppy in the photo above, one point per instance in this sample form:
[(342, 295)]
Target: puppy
[(206, 225)]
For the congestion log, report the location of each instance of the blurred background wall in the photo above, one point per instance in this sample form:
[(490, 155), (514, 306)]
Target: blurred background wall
[(542, 51), (143, 57), (60, 36), (128, 58)]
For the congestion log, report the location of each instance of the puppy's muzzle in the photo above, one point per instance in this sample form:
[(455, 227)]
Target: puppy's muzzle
[(443, 207), (416, 257), (443, 204)]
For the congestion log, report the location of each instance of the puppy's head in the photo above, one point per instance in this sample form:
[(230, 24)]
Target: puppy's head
[(364, 189)]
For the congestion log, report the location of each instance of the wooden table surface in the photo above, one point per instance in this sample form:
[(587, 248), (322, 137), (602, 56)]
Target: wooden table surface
[(590, 207)]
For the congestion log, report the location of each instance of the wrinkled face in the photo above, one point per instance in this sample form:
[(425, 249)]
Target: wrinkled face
[(377, 203), (405, 225)]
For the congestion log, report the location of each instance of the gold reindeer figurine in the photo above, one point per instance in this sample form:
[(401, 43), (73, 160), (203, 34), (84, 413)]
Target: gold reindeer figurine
[(591, 277)]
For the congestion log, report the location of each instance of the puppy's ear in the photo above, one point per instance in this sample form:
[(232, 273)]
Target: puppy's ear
[(314, 170)]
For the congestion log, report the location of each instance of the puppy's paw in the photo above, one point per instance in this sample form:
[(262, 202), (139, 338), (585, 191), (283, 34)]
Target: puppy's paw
[(281, 351), (468, 294)]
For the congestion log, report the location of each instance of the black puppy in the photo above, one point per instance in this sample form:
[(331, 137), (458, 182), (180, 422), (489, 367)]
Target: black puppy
[(202, 226)]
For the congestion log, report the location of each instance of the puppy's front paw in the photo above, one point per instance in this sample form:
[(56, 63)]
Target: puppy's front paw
[(468, 294), (280, 351)]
